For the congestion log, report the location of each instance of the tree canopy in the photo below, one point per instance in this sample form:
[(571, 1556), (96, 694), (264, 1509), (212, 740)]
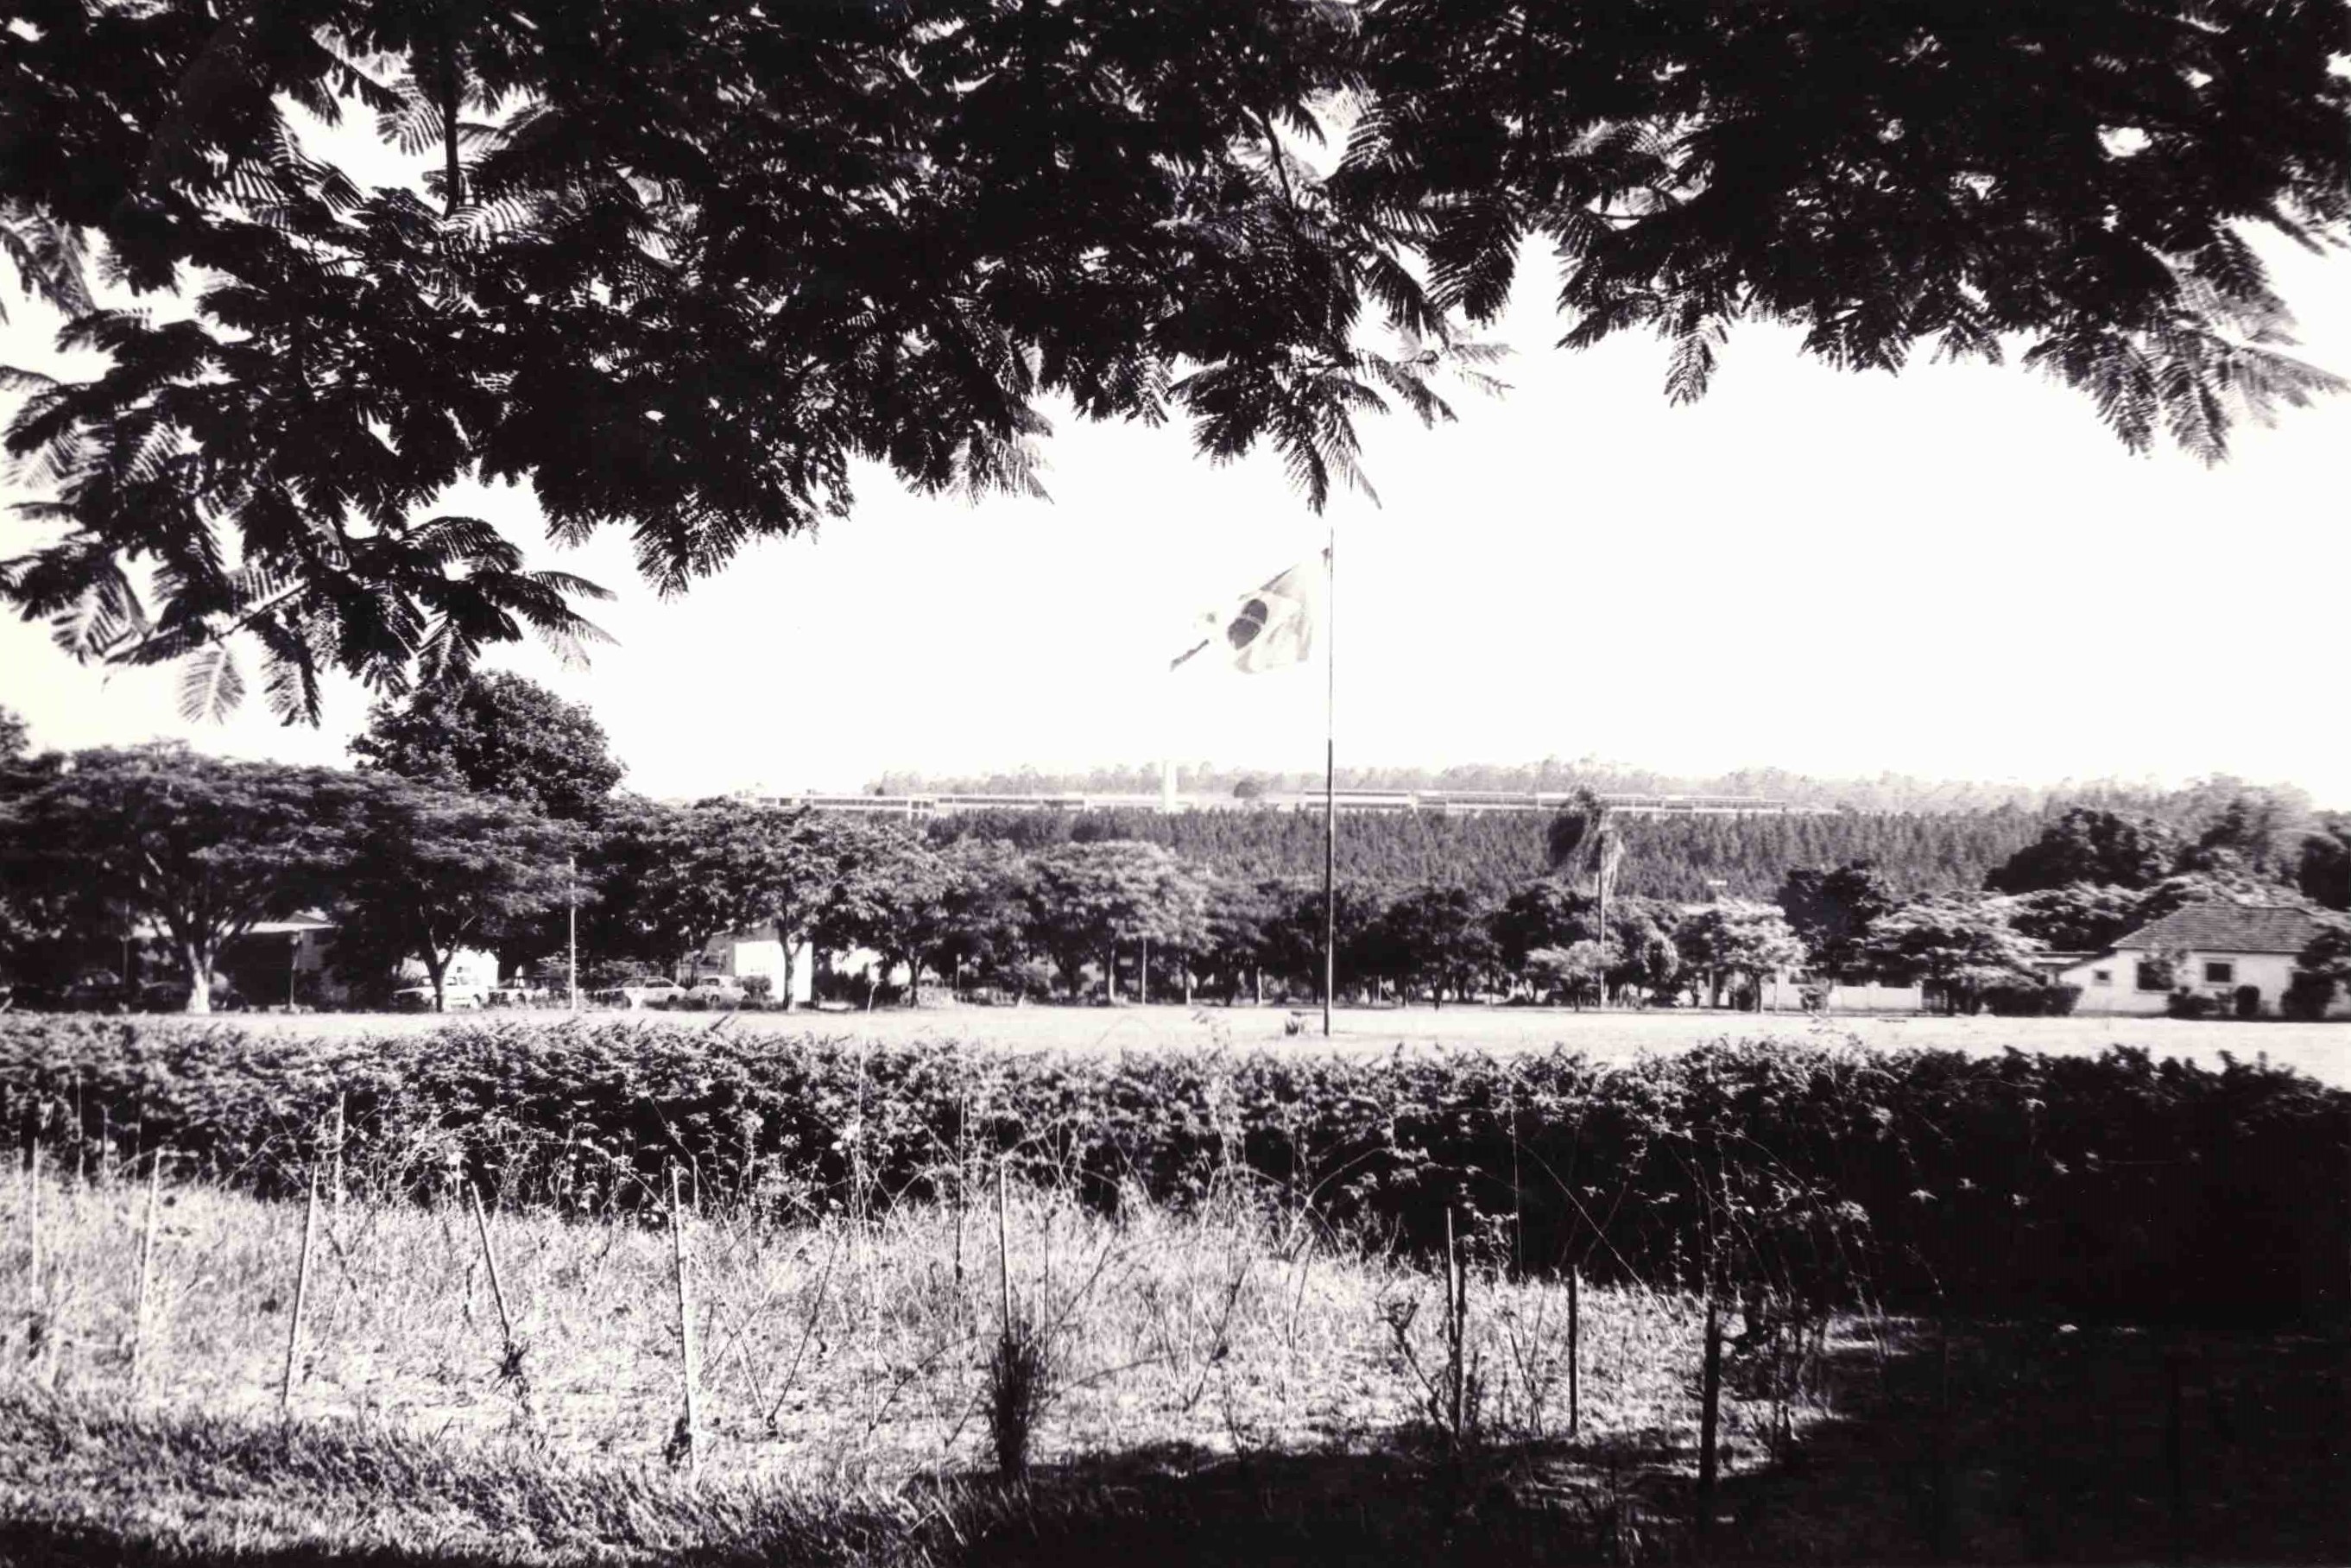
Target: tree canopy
[(678, 266), (203, 847), (495, 734), (428, 871)]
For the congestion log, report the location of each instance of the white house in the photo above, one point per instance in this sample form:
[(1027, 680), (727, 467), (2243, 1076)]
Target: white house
[(2214, 949), (741, 954)]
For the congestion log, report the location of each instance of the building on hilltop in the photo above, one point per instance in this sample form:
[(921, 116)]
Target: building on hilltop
[(1443, 802), (2241, 955)]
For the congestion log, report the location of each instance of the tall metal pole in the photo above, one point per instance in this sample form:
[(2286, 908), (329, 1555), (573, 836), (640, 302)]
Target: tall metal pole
[(571, 915), (1330, 775)]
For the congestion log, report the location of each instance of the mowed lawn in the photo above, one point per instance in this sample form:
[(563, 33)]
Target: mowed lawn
[(2322, 1050)]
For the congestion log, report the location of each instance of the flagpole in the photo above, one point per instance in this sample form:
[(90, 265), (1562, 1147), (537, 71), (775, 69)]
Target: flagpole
[(1330, 774)]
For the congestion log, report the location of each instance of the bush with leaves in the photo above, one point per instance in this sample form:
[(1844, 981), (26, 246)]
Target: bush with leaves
[(2113, 1187)]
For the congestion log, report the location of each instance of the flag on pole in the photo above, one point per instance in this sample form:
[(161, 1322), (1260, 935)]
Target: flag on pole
[(1267, 629)]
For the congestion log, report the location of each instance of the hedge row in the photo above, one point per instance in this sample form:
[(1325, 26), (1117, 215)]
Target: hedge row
[(2113, 1186)]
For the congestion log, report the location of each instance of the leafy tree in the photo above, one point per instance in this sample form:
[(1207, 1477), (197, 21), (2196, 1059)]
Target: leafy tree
[(495, 734), (2085, 844), (1960, 945), (1735, 940), (893, 895), (1241, 916), (724, 866), (983, 921), (2174, 893), (1856, 173), (53, 918), (2081, 919), (622, 923), (203, 847), (678, 270), (1086, 899), (1641, 949), (1831, 911), (681, 268), (429, 871), (2322, 868), (1545, 913), (1294, 941), (2323, 966), (2254, 833), (1576, 971), (1437, 938)]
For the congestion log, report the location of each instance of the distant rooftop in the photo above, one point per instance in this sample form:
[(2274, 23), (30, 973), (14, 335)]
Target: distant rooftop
[(2230, 928)]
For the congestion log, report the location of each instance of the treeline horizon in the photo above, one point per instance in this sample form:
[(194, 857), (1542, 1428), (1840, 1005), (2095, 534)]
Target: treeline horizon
[(1886, 792), (1677, 859)]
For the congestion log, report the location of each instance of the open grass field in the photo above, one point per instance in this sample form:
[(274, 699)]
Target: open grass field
[(2322, 1050), (1227, 1385), (1223, 1292)]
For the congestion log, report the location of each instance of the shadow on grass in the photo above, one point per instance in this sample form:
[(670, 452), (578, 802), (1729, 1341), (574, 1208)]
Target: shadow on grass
[(2013, 1443)]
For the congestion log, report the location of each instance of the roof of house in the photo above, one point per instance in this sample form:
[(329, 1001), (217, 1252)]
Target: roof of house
[(2229, 928)]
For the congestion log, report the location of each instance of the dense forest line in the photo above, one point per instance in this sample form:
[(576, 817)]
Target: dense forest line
[(1683, 859)]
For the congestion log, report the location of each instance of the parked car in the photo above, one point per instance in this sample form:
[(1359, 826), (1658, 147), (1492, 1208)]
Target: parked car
[(518, 997), (647, 993), (454, 999), (723, 990)]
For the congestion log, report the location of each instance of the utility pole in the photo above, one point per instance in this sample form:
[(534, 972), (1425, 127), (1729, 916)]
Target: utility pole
[(1330, 774), (572, 919)]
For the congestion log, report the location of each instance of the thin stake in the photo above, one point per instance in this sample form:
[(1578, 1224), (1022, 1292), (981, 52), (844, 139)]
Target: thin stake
[(685, 1334), (1330, 772), (1709, 1408), (33, 1210), (1003, 1247), (146, 1270), (1574, 1351), (339, 1152), (1457, 1308), (490, 1257), (301, 1294)]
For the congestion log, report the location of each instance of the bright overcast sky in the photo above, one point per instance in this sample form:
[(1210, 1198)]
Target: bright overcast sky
[(1956, 572)]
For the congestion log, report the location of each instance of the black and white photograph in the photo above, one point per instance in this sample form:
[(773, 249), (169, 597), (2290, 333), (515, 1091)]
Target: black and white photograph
[(984, 783)]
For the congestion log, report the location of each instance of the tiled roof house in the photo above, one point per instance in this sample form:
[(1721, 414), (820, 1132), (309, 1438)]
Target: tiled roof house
[(2219, 950)]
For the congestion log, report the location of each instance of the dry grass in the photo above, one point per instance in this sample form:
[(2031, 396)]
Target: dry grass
[(1224, 1386), (848, 1354)]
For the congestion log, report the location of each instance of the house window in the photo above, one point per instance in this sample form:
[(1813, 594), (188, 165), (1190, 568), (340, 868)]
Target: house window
[(2219, 974), (2154, 974), (2102, 977)]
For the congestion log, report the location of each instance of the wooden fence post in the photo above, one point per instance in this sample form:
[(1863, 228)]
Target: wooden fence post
[(301, 1294), (1574, 1351), (685, 1334), (1710, 1407), (146, 1269), (490, 1257), (32, 1211)]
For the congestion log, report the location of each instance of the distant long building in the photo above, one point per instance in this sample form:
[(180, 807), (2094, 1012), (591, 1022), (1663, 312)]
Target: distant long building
[(1441, 802)]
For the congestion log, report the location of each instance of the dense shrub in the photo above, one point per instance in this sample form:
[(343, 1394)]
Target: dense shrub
[(2030, 999), (2191, 1005), (2307, 996), (2114, 1185)]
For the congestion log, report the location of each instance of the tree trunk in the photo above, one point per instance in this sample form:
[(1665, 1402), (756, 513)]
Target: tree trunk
[(1110, 975), (1143, 972), (200, 983), (437, 967), (786, 943)]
